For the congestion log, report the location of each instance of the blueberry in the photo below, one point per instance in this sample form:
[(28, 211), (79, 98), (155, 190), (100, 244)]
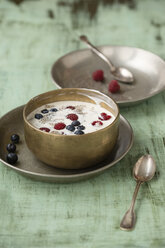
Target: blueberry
[(38, 116), (15, 138), (54, 110), (75, 123), (11, 147), (70, 128), (12, 158), (80, 127), (79, 132), (44, 111)]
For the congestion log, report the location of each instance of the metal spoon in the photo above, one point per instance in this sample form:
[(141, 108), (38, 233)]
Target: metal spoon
[(143, 171), (120, 73)]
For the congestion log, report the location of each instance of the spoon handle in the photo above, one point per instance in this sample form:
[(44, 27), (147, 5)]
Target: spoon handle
[(128, 220), (98, 53)]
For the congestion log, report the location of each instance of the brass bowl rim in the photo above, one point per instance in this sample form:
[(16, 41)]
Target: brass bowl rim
[(67, 89)]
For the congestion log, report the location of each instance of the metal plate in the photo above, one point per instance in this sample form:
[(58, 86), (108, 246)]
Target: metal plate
[(30, 166), (75, 70)]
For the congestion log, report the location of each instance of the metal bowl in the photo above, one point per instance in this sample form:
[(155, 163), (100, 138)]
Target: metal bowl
[(74, 70), (71, 151)]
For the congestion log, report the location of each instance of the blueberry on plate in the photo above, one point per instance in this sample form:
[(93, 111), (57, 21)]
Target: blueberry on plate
[(79, 132), (53, 110), (11, 147), (70, 128), (38, 116), (80, 127), (44, 111), (15, 138), (75, 123), (12, 158)]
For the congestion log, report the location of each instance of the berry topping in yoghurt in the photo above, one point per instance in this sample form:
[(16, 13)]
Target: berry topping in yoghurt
[(70, 117)]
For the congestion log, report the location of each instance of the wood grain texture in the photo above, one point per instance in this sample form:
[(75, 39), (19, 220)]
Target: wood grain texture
[(33, 34)]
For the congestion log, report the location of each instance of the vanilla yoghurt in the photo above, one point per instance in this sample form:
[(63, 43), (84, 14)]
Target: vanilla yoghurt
[(70, 117)]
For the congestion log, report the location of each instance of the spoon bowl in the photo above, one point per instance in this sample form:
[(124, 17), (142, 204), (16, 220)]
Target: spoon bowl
[(144, 169), (120, 73), (123, 75)]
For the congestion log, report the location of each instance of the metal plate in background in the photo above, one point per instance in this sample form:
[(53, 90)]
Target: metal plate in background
[(75, 70), (29, 165)]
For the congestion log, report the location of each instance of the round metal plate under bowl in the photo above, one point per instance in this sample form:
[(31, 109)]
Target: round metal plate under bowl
[(28, 165), (75, 70)]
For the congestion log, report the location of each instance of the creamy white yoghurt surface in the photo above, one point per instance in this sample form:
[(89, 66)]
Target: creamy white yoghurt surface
[(70, 117)]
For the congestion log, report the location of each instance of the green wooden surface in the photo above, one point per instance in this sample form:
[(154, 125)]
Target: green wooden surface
[(33, 34)]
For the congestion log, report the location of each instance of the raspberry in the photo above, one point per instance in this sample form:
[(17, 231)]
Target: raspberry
[(113, 86), (70, 107), (98, 75), (105, 117), (72, 117), (98, 123), (59, 126), (45, 129)]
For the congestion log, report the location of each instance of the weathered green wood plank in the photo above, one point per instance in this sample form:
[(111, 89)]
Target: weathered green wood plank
[(33, 35)]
